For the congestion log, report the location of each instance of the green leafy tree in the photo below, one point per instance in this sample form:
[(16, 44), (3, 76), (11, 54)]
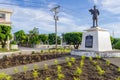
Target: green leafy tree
[(115, 41), (52, 38), (34, 36), (112, 39), (43, 38), (20, 36), (35, 31), (34, 39), (117, 45), (73, 38), (5, 33)]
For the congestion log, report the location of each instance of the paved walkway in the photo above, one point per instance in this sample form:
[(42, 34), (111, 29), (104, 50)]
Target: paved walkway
[(10, 71), (115, 61), (8, 53)]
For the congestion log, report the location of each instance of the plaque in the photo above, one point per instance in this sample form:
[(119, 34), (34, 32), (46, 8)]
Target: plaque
[(89, 41)]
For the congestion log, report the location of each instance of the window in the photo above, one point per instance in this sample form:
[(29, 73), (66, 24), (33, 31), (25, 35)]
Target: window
[(2, 17)]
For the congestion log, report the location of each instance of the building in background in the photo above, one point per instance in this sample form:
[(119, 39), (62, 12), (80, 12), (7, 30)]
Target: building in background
[(5, 19), (5, 16)]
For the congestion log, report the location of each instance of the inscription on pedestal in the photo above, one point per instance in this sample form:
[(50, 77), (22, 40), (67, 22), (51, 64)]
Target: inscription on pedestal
[(89, 41)]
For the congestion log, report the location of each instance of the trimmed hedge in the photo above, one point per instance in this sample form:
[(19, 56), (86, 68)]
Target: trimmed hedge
[(117, 45)]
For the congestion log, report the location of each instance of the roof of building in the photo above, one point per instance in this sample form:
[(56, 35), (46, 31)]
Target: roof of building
[(6, 10)]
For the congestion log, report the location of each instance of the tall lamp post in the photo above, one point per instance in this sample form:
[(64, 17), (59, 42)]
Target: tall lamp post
[(55, 10)]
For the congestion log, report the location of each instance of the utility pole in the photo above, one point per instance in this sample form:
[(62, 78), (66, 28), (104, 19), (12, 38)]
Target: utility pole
[(55, 10)]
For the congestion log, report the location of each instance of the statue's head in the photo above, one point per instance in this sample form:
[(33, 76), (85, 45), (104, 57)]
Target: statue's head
[(94, 6)]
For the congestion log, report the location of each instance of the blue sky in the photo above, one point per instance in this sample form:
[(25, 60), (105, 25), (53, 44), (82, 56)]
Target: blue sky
[(73, 15)]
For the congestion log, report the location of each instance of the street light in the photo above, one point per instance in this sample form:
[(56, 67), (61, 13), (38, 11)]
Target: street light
[(55, 10)]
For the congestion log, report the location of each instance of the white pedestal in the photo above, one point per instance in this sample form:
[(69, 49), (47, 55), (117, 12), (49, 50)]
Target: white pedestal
[(96, 39)]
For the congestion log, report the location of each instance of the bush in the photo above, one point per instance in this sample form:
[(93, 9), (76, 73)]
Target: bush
[(4, 57), (14, 42), (117, 45), (33, 52)]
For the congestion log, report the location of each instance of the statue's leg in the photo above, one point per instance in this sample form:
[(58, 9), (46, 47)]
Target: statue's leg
[(93, 23), (96, 22)]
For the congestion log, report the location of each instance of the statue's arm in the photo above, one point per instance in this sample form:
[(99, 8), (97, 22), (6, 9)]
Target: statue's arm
[(91, 11)]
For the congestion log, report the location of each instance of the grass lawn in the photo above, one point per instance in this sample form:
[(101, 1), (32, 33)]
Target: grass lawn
[(5, 50)]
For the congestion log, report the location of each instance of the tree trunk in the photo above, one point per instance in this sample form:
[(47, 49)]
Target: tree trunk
[(3, 44), (76, 46)]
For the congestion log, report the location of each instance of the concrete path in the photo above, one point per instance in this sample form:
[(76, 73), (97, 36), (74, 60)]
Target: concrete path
[(10, 71), (31, 49), (8, 53), (115, 61)]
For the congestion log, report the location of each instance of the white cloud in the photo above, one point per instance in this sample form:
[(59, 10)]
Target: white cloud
[(66, 20), (26, 19), (52, 4), (95, 1), (113, 27), (112, 6)]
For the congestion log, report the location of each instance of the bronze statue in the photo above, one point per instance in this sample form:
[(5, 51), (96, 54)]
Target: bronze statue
[(95, 13)]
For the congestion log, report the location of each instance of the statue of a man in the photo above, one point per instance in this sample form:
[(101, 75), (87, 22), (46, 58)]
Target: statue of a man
[(95, 13)]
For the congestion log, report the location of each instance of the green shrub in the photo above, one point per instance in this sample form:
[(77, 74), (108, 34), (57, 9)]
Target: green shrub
[(117, 45), (4, 57), (41, 51), (33, 52), (14, 42)]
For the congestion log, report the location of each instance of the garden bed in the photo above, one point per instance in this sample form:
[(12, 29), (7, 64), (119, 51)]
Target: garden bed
[(85, 69), (16, 60)]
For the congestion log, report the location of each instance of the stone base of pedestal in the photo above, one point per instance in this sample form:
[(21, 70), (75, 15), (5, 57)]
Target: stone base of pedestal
[(112, 53), (96, 39)]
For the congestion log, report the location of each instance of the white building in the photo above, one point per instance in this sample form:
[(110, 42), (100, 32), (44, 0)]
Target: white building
[(5, 19), (5, 16)]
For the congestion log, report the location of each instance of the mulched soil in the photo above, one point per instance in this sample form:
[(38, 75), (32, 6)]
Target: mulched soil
[(89, 72), (16, 60)]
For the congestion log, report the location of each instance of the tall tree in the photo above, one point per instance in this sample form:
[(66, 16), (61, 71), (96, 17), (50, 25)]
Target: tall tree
[(5, 33), (115, 41), (35, 31), (73, 38), (112, 40), (52, 37), (34, 36), (117, 45), (43, 38), (20, 36)]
